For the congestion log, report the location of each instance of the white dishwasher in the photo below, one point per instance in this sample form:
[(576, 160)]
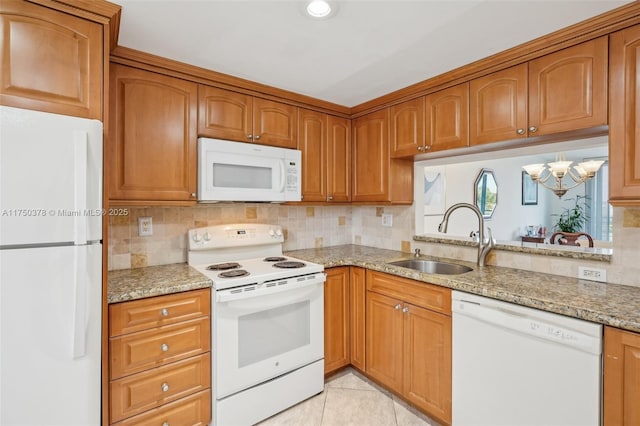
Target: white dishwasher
[(517, 366)]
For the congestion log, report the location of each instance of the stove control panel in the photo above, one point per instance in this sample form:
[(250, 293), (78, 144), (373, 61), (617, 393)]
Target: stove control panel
[(234, 235)]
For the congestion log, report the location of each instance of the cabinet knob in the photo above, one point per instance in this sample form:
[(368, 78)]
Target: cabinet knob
[(165, 424), (398, 306), (405, 309), (164, 312), (249, 136), (193, 195), (164, 347), (330, 197), (420, 148), (257, 137), (533, 129), (165, 387), (520, 131), (427, 147)]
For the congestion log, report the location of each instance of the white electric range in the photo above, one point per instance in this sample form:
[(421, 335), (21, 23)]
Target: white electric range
[(268, 321)]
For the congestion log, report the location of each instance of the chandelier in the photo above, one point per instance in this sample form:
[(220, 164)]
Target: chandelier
[(579, 173)]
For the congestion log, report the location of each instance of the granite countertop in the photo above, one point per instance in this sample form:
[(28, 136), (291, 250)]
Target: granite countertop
[(138, 283), (609, 304)]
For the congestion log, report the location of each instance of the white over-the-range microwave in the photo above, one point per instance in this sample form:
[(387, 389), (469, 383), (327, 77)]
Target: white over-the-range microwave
[(236, 171)]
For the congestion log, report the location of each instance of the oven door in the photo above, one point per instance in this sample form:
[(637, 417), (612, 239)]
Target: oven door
[(264, 336)]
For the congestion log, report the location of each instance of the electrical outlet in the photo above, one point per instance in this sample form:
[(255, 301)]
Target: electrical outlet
[(592, 274), (387, 219), (145, 227)]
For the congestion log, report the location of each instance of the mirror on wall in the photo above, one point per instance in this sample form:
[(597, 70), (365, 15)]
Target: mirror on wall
[(486, 193), (526, 208)]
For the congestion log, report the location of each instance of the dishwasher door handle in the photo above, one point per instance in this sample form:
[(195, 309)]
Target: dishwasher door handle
[(527, 325)]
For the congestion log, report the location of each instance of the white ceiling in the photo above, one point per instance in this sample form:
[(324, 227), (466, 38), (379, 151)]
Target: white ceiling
[(368, 49)]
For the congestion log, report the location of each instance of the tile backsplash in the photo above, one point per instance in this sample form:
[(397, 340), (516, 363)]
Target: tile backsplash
[(323, 226), (304, 227)]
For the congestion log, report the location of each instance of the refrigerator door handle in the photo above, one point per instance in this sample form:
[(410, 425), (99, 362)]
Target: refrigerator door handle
[(80, 140), (80, 315)]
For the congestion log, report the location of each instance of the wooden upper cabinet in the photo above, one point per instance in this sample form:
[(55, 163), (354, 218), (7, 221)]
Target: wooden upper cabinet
[(224, 114), (153, 140), (274, 123), (406, 124), (338, 159), (312, 141), (568, 89), (377, 177), (447, 118), (621, 377), (371, 157), (229, 115), (624, 117), (51, 61), (325, 142), (498, 106)]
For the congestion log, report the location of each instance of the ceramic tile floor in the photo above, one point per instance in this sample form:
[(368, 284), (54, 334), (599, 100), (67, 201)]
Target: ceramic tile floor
[(350, 399)]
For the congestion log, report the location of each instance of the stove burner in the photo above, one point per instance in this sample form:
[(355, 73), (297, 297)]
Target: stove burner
[(288, 265), (223, 266), (233, 274), (274, 259)]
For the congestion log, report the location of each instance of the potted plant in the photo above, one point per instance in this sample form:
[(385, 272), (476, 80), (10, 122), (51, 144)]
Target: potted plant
[(572, 220)]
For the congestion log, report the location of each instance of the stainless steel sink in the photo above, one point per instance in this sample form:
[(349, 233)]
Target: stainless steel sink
[(432, 266)]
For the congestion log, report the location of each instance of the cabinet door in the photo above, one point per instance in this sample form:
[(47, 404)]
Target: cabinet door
[(336, 319), (427, 361), (621, 377), (274, 123), (568, 89), (406, 124), (371, 157), (447, 121), (384, 340), (624, 126), (51, 61), (357, 292), (498, 106), (224, 114), (312, 138), (338, 159), (153, 136)]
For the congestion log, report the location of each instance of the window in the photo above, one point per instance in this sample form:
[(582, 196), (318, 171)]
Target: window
[(599, 223)]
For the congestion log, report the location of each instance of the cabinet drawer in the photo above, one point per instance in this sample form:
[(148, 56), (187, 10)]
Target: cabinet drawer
[(140, 392), (193, 410), (428, 296), (136, 352), (138, 315)]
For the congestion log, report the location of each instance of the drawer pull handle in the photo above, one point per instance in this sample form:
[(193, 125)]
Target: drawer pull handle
[(164, 312), (165, 387), (164, 347)]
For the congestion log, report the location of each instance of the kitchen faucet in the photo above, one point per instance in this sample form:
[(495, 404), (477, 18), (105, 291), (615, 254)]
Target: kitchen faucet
[(483, 249)]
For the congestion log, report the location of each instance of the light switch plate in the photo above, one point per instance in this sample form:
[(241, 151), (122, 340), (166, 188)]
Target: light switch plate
[(145, 227)]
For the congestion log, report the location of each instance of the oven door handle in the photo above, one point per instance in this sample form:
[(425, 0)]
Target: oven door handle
[(255, 299)]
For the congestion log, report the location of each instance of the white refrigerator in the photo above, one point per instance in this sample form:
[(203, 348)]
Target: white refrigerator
[(50, 268)]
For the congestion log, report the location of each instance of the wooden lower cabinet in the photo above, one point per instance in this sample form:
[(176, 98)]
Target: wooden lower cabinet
[(357, 292), (336, 319), (408, 347), (621, 377), (160, 360)]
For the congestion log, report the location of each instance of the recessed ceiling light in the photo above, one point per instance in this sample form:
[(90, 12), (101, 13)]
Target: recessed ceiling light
[(319, 8)]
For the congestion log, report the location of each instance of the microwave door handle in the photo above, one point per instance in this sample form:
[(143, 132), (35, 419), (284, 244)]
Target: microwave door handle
[(282, 175)]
